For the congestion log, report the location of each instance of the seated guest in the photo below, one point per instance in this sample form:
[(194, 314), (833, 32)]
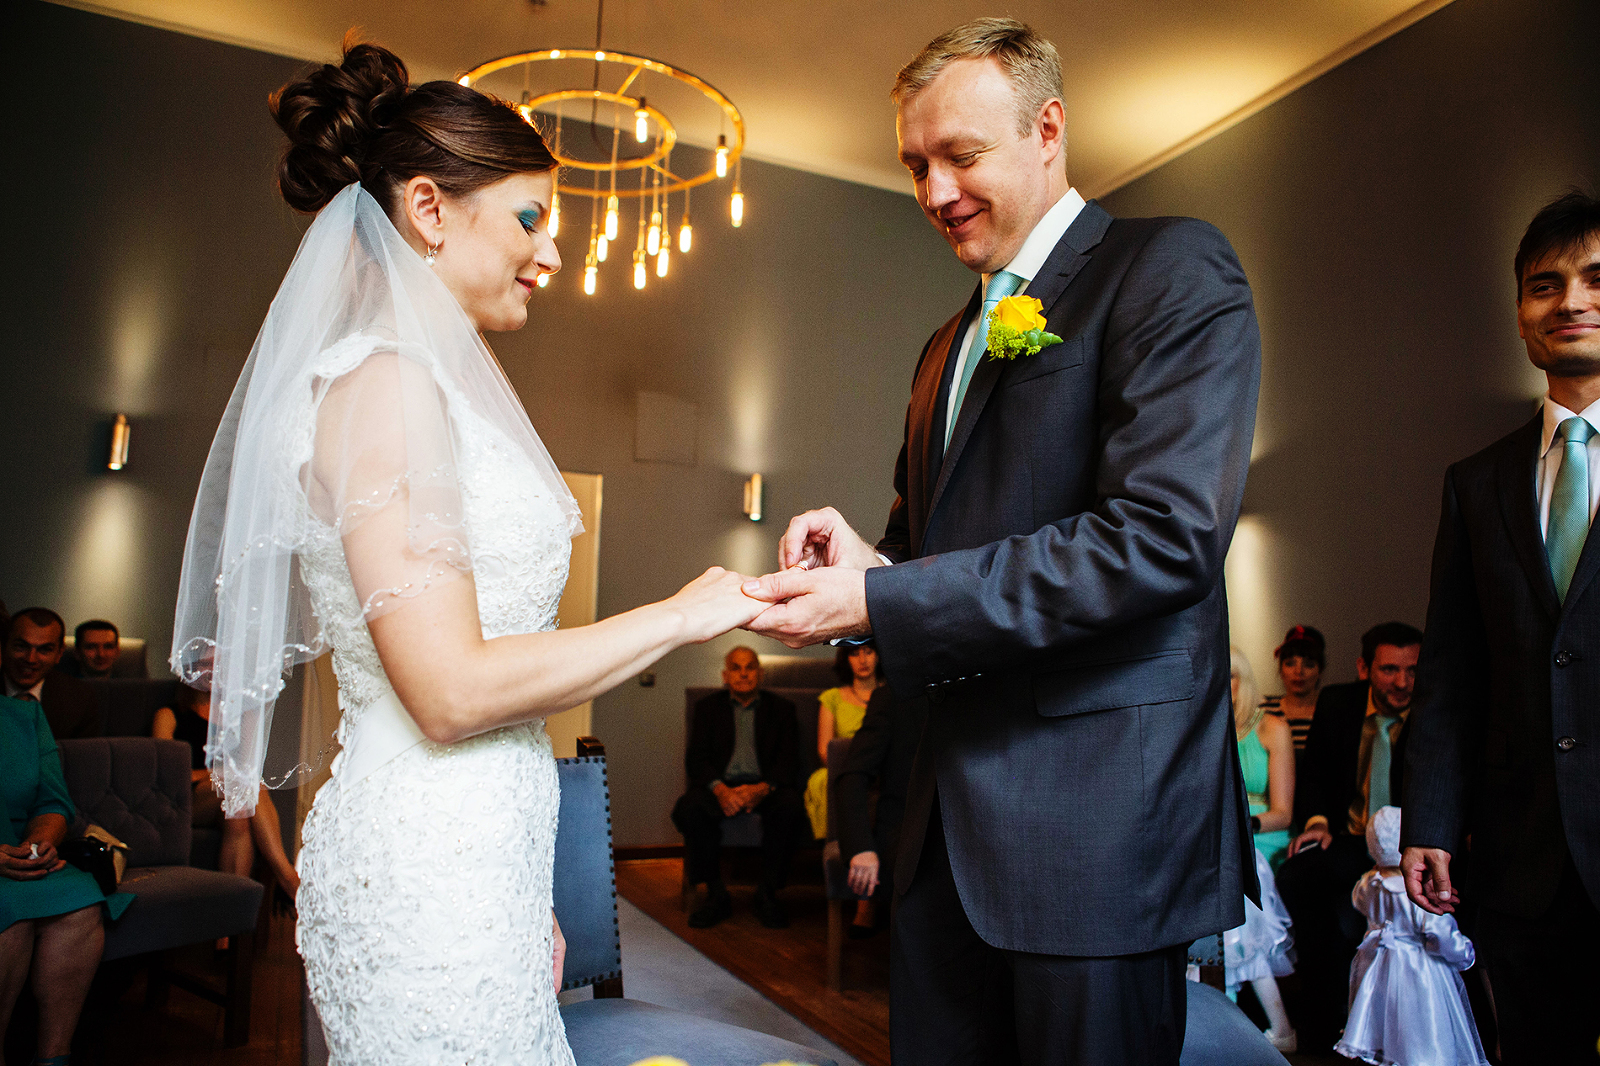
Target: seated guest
[(839, 714), (95, 647), (1348, 766), (1301, 659), (35, 639), (188, 721), (52, 915), (881, 752), (743, 755)]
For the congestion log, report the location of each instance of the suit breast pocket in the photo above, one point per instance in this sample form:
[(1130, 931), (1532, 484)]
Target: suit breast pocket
[(1063, 356), (1162, 677)]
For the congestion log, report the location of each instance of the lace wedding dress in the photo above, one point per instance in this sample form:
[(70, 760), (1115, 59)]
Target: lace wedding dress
[(425, 906)]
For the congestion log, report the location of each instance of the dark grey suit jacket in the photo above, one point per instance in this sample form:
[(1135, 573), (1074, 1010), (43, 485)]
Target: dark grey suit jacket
[(1504, 734), (1061, 601)]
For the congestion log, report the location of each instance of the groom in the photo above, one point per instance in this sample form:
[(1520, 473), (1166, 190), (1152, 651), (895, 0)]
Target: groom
[(1076, 814)]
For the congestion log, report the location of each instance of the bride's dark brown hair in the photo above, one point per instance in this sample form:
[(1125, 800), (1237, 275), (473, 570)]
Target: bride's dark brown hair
[(362, 121)]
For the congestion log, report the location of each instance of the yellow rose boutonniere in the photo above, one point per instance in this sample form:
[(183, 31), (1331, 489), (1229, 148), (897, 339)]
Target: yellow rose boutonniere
[(1016, 328)]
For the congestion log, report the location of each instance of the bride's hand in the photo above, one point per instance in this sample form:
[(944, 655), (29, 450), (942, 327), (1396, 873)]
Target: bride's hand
[(713, 603)]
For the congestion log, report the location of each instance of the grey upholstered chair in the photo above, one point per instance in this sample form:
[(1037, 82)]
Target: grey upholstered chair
[(138, 789)]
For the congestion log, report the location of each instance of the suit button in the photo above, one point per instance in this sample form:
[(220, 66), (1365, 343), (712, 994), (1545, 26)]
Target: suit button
[(1566, 743), (1563, 658)]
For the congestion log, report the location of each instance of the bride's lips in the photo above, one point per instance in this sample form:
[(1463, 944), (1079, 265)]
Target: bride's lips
[(527, 285)]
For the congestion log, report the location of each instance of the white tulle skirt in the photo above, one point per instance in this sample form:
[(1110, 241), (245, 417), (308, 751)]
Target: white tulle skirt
[(1264, 945)]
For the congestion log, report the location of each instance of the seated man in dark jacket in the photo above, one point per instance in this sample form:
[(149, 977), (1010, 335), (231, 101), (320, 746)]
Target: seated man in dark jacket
[(881, 751), (743, 755)]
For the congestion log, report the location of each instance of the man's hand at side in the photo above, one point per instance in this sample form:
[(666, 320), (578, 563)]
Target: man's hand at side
[(811, 606), (1427, 873), (823, 538), (863, 875)]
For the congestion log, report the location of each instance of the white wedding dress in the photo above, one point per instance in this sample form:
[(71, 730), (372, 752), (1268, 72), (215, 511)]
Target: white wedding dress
[(425, 906)]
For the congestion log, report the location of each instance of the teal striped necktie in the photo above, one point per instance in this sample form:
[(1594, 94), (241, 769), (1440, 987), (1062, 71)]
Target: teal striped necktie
[(1001, 284), (1569, 504)]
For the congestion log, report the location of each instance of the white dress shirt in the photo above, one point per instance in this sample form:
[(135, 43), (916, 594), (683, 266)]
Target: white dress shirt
[(16, 692), (1046, 234), (1550, 450)]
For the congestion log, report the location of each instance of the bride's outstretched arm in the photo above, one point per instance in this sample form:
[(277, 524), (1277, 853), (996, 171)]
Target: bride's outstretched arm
[(456, 684)]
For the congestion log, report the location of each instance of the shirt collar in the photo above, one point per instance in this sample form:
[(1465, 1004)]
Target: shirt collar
[(1555, 414), (755, 697), (1046, 234), (14, 691)]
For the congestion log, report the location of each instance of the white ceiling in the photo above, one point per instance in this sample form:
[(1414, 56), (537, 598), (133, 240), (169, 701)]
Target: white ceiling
[(1145, 79)]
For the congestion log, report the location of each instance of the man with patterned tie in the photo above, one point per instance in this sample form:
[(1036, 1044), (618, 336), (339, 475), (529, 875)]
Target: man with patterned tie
[(1503, 753), (1049, 588)]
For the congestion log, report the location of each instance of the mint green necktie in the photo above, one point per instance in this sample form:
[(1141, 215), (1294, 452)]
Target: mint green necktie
[(1569, 504), (1382, 758), (1001, 284)]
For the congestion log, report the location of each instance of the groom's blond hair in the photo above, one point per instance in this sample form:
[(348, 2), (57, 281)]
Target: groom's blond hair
[(1030, 63)]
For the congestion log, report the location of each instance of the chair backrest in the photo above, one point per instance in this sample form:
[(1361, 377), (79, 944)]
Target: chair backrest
[(138, 789), (585, 879), (797, 671), (806, 709), (838, 750), (129, 705)]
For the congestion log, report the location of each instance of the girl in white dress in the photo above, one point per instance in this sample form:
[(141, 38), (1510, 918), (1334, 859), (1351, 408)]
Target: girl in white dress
[(376, 489), (1408, 1006)]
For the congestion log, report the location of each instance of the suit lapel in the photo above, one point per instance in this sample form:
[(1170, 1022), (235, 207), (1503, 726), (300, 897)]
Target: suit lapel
[(1519, 504), (1049, 286), (1588, 566), (926, 427)]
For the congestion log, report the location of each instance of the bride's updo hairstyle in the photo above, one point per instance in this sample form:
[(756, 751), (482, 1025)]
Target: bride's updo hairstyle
[(362, 121)]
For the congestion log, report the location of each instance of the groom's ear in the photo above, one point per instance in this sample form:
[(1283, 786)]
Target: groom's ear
[(425, 209), (1052, 129)]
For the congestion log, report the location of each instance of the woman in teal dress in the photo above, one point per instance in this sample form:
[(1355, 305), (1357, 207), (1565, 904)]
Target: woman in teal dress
[(51, 915)]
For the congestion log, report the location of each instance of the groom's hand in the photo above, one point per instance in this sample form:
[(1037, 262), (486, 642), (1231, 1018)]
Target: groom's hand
[(824, 538), (810, 606)]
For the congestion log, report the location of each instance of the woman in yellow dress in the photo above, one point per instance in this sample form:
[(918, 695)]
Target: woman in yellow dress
[(839, 714)]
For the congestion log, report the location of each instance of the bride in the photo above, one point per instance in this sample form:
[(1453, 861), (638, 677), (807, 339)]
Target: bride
[(376, 488)]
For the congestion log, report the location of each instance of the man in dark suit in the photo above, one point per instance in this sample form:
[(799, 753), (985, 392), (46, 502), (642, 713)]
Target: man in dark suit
[(1076, 814), (1504, 746), (34, 641), (743, 755), (881, 753), (1348, 772)]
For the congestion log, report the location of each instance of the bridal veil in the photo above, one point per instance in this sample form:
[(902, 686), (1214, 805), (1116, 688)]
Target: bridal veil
[(343, 415)]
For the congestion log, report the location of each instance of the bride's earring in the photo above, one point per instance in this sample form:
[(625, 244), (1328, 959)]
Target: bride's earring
[(433, 253)]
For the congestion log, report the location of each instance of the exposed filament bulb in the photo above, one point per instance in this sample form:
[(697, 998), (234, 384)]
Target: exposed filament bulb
[(685, 236), (555, 216), (600, 248), (641, 122), (661, 260), (722, 155), (611, 217), (638, 270), (653, 240), (736, 209)]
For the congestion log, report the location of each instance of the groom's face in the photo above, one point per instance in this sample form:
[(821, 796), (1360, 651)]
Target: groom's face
[(982, 184)]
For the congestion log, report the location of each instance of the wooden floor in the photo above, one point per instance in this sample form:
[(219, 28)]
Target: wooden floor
[(785, 965), (187, 1030)]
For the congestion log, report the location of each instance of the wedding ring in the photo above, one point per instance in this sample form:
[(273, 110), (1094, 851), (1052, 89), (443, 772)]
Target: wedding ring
[(33, 850)]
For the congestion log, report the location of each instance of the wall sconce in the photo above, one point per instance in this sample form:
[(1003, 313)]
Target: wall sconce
[(754, 498), (120, 431)]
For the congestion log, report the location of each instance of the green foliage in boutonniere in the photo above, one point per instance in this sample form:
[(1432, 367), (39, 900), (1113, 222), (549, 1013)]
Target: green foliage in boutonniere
[(1016, 328)]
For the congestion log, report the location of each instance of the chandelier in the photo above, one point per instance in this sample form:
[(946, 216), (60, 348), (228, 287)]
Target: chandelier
[(623, 143)]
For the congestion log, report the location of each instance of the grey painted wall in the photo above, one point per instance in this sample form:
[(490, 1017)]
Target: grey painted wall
[(151, 242), (1376, 211)]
